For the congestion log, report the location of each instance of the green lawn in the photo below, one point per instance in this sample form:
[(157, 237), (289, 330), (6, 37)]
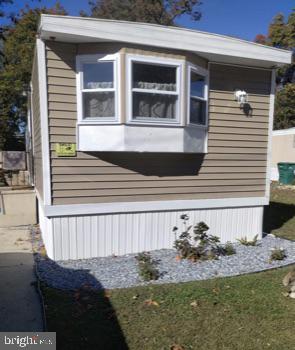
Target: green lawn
[(247, 312), (279, 216)]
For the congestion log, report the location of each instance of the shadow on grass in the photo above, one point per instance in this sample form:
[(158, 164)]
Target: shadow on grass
[(91, 321), (276, 215)]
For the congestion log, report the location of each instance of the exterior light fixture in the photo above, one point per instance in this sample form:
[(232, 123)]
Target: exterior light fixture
[(241, 97)]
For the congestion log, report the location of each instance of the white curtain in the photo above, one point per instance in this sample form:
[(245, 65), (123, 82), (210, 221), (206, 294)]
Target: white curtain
[(100, 85), (98, 104), (147, 105), (154, 86)]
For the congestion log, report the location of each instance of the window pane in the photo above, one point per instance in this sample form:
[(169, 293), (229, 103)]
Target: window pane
[(197, 85), (147, 105), (151, 76), (197, 111), (98, 75), (98, 104)]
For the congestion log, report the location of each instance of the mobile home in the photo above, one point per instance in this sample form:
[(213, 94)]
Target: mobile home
[(134, 124)]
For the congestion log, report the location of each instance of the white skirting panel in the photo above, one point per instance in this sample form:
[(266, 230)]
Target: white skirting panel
[(77, 237), (46, 231)]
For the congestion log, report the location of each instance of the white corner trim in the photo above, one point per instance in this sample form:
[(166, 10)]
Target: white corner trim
[(281, 132), (66, 28), (39, 198), (134, 207), (31, 128), (41, 56), (270, 127)]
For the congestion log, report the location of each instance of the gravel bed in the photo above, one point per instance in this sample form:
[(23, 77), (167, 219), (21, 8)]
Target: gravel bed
[(122, 271)]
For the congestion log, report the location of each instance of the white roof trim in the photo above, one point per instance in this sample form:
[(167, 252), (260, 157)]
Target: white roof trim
[(84, 29), (290, 131)]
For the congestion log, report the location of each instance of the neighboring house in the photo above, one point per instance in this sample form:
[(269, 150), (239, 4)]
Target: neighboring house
[(283, 149), (135, 124)]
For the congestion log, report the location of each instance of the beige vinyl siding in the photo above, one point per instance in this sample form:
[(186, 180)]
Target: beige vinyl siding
[(235, 165), (37, 146)]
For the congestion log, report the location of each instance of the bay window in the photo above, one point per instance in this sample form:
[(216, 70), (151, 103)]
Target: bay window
[(141, 103)]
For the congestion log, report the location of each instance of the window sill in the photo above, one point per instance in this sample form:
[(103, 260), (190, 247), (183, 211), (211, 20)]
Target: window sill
[(198, 126), (98, 122), (154, 123)]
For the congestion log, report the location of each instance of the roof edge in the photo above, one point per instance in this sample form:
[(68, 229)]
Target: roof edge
[(158, 35)]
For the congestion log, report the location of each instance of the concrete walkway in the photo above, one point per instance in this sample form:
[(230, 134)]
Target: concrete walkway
[(20, 307)]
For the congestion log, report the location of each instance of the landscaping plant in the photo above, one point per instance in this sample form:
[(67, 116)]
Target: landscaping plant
[(200, 246), (147, 267), (228, 249), (252, 242), (278, 254)]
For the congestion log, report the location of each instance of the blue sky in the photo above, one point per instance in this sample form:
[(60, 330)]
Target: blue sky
[(240, 18)]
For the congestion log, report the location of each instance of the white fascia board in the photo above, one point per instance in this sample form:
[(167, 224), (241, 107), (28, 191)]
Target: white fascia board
[(281, 132), (134, 207), (75, 29)]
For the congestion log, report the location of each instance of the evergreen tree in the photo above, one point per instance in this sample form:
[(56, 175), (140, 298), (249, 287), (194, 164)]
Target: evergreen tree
[(277, 32)]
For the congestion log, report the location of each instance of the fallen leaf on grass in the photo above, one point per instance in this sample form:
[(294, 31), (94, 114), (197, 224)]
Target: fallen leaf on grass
[(135, 296), (150, 302), (107, 294), (176, 347), (216, 290), (194, 303)]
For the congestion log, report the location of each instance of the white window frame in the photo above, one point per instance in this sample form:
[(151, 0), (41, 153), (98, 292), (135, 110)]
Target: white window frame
[(94, 58), (180, 70), (205, 73)]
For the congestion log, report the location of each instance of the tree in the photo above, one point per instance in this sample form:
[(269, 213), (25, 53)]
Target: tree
[(15, 74), (163, 12), (2, 14), (281, 34), (285, 107), (277, 31)]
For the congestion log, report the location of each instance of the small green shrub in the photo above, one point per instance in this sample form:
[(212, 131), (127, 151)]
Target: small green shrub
[(201, 246), (278, 254), (147, 267), (228, 249), (252, 243)]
